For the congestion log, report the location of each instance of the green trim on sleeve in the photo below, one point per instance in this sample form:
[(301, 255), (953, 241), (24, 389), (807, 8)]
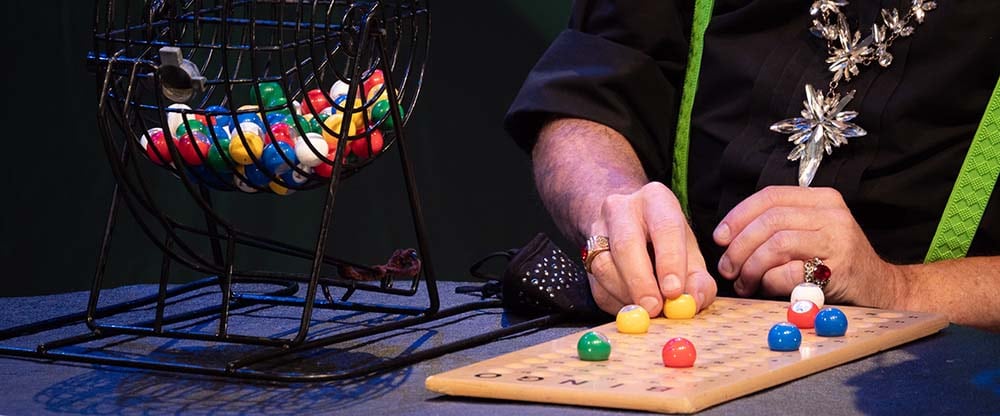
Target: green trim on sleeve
[(972, 190), (679, 182)]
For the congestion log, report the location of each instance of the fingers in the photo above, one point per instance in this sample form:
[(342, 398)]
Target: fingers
[(605, 300), (669, 232), (780, 280), (699, 283), (783, 247), (760, 230), (773, 196), (625, 230)]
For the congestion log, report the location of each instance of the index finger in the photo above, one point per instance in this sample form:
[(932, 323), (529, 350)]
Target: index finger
[(668, 231), (628, 249)]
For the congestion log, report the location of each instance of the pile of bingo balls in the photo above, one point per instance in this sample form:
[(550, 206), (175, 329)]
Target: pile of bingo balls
[(806, 311), (269, 144)]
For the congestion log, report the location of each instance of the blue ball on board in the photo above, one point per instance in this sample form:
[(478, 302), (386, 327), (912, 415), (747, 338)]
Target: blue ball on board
[(831, 322), (784, 337)]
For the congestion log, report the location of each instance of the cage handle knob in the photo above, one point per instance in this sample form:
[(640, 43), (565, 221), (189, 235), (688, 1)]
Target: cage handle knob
[(179, 77)]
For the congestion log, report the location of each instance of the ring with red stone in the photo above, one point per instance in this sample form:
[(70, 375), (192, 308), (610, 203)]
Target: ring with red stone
[(595, 245), (816, 272)]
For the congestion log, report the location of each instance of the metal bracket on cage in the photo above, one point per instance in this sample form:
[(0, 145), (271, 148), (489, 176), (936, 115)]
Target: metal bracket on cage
[(180, 77)]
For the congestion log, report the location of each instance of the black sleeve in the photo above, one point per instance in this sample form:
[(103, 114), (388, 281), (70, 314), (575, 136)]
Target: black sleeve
[(621, 64)]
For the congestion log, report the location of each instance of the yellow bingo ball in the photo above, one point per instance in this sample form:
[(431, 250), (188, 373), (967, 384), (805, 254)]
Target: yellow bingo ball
[(279, 189), (632, 319), (333, 123), (241, 153), (684, 307)]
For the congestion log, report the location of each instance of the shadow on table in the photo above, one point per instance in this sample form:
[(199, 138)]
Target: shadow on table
[(946, 375), (126, 392)]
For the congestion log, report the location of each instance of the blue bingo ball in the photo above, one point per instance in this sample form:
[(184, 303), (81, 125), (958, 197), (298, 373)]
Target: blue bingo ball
[(255, 176), (252, 118), (220, 116), (273, 160), (831, 322), (276, 117), (293, 178), (784, 337)]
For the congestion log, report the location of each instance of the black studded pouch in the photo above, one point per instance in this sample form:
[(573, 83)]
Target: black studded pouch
[(539, 279)]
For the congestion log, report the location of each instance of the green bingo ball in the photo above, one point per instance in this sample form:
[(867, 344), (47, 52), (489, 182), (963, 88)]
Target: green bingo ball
[(381, 109), (593, 346), (268, 90), (195, 126), (215, 158)]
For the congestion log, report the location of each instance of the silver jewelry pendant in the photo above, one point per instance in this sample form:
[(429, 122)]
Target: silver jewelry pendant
[(824, 125)]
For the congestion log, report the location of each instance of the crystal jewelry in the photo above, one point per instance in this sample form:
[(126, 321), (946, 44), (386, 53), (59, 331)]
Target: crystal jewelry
[(825, 124)]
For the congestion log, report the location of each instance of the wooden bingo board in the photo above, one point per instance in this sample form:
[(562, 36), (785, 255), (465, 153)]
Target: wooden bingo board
[(733, 360)]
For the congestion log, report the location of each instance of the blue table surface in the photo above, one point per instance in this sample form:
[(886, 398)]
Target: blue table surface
[(956, 371)]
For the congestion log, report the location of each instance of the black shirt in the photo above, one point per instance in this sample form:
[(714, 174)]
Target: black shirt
[(621, 63)]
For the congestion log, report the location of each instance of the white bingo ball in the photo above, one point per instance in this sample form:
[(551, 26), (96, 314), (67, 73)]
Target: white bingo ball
[(306, 155), (247, 126), (339, 88), (810, 292), (175, 118)]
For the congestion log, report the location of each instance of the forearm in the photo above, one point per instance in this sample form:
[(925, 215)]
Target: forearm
[(967, 290), (577, 164)]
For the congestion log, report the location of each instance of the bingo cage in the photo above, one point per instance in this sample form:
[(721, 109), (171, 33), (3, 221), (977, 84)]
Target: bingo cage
[(252, 96)]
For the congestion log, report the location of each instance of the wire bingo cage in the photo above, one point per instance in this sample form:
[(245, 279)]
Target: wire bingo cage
[(251, 96)]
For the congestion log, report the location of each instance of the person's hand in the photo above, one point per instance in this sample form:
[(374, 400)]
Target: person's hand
[(770, 234), (625, 275)]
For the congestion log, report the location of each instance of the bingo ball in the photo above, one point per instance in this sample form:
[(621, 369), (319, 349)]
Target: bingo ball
[(175, 116), (339, 88), (306, 155), (242, 119), (275, 118), (831, 322), (784, 337), (282, 133), (255, 176), (375, 79), (366, 147), (219, 150), (381, 110), (242, 148), (317, 100), (679, 353), (194, 125), (278, 157), (802, 314), (219, 116), (268, 90), (158, 150), (193, 148), (334, 124), (295, 178)]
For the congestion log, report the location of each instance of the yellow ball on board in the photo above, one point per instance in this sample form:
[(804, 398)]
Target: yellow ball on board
[(684, 307), (632, 319)]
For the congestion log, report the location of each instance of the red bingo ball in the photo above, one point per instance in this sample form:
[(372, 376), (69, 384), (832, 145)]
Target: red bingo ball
[(360, 148), (374, 80), (318, 101), (679, 353), (802, 314), (193, 148), (157, 149)]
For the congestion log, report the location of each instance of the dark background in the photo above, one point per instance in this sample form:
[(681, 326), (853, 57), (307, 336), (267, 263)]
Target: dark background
[(475, 183)]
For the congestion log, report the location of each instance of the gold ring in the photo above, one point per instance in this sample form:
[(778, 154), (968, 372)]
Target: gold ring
[(595, 245)]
